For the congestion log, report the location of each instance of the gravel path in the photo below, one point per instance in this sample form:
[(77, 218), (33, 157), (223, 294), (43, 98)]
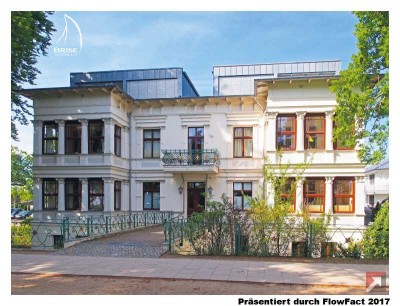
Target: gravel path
[(145, 242)]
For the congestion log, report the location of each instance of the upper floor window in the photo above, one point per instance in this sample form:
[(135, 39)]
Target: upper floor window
[(73, 134), (96, 194), (117, 195), (315, 131), (343, 195), (50, 137), (372, 179), (314, 195), (241, 194), (243, 142), (117, 140), (286, 132), (151, 143), (96, 136), (151, 196), (73, 195), (50, 194), (288, 191)]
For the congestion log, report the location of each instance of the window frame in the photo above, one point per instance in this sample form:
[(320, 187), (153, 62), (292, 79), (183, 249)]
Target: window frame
[(152, 191), (90, 181), (151, 140), (45, 195), (346, 196), (306, 118), (94, 138), (79, 138), (117, 189), (117, 140), (280, 133), (242, 194), (45, 139), (243, 138), (77, 194), (317, 195)]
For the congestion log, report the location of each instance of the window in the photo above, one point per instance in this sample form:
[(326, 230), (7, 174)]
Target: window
[(243, 142), (50, 194), (117, 140), (117, 195), (50, 138), (96, 136), (372, 179), (315, 132), (151, 143), (288, 191), (286, 132), (96, 194), (371, 200), (151, 196), (241, 193), (343, 195), (73, 195), (73, 132), (314, 195)]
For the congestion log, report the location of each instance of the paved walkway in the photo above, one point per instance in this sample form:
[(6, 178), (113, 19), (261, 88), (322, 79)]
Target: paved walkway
[(198, 269), (144, 242)]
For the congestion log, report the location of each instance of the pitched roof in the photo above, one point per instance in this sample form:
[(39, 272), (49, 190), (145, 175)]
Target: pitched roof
[(383, 165)]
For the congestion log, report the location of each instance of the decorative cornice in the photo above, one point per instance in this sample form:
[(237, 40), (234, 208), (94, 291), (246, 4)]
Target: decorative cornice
[(271, 115), (329, 179), (108, 121), (300, 115), (203, 120), (108, 179)]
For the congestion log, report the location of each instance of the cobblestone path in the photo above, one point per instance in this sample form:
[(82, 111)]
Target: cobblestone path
[(145, 242)]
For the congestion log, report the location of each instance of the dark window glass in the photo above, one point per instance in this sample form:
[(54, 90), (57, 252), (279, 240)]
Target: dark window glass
[(50, 138), (314, 132), (117, 195), (96, 194), (50, 194), (314, 195), (151, 143), (73, 133), (151, 196), (117, 140), (343, 195), (241, 193), (73, 195), (243, 142), (96, 136), (286, 132)]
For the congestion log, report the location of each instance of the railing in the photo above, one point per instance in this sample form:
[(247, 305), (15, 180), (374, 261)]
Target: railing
[(55, 233), (191, 157)]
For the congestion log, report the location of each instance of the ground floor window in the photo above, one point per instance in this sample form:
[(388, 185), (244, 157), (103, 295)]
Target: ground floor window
[(96, 194), (151, 196), (343, 195), (50, 194), (73, 195), (314, 195), (117, 195), (241, 194), (288, 192)]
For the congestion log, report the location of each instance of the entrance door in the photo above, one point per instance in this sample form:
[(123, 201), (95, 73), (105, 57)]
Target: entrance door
[(196, 197), (196, 145)]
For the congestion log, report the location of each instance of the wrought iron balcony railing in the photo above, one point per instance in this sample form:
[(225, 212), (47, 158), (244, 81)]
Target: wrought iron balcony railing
[(191, 157)]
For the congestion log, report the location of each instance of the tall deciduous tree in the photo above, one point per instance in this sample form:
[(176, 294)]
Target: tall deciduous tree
[(30, 37), (362, 91), (21, 175)]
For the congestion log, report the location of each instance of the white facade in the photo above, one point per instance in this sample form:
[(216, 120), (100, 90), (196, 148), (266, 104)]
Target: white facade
[(172, 120), (377, 183)]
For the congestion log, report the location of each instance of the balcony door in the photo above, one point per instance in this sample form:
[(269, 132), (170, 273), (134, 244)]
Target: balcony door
[(195, 145), (196, 197)]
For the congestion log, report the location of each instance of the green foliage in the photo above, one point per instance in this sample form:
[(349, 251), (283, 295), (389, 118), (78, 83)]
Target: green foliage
[(21, 235), (21, 175), (375, 242), (362, 91), (352, 249), (30, 36)]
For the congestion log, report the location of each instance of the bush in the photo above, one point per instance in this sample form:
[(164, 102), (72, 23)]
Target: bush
[(21, 236)]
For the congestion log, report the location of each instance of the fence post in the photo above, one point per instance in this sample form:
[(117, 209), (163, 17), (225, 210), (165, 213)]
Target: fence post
[(122, 224), (169, 236), (181, 242), (145, 219), (130, 220), (238, 239), (310, 241), (88, 226), (63, 229)]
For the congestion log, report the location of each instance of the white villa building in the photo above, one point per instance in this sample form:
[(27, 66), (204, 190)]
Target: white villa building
[(377, 182), (134, 140)]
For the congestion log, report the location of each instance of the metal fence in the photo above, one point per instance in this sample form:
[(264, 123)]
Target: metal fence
[(259, 239), (57, 233)]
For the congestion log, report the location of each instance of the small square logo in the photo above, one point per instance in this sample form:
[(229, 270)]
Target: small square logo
[(374, 280)]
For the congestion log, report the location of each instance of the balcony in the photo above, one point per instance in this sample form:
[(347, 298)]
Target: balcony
[(193, 161)]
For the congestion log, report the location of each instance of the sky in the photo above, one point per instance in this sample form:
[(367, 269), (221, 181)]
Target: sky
[(195, 41)]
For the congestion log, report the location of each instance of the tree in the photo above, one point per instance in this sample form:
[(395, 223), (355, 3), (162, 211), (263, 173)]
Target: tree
[(30, 37), (362, 91), (21, 175)]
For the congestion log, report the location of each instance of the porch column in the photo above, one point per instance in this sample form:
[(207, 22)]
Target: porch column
[(37, 136), (271, 132), (300, 131), (299, 195), (108, 135), (329, 131), (84, 137), (61, 137), (329, 194), (108, 194), (37, 194), (85, 194), (61, 194), (359, 196)]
